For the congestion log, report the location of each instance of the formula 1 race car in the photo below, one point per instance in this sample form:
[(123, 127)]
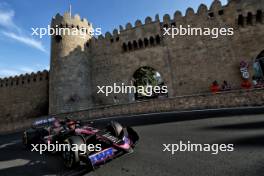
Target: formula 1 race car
[(111, 141), (114, 141)]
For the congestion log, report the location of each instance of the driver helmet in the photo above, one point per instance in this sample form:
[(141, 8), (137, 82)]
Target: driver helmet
[(71, 124)]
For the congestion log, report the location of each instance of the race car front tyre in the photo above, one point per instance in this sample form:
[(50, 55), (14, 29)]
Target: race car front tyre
[(71, 157), (132, 134), (116, 129)]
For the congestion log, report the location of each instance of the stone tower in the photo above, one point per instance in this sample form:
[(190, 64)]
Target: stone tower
[(69, 88)]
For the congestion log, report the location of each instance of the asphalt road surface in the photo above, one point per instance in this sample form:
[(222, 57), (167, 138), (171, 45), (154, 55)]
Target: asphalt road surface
[(245, 132)]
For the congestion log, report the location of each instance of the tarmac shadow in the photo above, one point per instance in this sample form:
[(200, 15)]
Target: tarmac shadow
[(16, 160)]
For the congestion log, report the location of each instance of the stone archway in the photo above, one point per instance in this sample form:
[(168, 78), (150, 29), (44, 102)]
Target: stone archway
[(259, 67), (149, 84)]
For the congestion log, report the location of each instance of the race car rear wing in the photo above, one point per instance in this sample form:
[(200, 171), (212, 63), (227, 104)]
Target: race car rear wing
[(43, 122)]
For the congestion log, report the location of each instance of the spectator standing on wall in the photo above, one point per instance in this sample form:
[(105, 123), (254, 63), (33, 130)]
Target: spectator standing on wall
[(225, 86), (215, 87), (116, 101), (246, 84)]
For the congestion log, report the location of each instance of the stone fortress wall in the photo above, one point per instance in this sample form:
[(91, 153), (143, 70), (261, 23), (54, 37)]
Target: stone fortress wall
[(23, 97), (188, 64)]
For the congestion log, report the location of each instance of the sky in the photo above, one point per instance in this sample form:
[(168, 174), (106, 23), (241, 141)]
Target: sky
[(21, 52)]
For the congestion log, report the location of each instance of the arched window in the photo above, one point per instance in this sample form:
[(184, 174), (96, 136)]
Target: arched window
[(259, 68), (221, 12), (124, 47), (240, 20), (146, 42), (249, 18), (146, 77), (135, 45), (259, 16), (151, 40), (140, 43), (158, 39), (84, 30), (129, 46)]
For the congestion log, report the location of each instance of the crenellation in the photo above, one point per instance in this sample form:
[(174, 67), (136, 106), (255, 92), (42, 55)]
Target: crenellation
[(189, 13), (22, 79), (115, 32), (157, 18), (57, 17), (129, 26), (216, 6), (68, 21), (138, 23), (108, 36), (166, 19), (121, 28), (148, 20), (103, 40), (202, 10)]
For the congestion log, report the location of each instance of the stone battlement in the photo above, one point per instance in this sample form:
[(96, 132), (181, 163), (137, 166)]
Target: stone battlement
[(66, 20), (234, 14), (24, 79)]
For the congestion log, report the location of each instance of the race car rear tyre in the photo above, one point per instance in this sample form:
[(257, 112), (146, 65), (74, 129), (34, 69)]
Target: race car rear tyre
[(71, 157), (28, 139)]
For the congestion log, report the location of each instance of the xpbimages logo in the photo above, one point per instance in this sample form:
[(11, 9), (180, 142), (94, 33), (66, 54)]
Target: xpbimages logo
[(191, 147), (147, 90), (83, 32), (197, 31), (57, 147)]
